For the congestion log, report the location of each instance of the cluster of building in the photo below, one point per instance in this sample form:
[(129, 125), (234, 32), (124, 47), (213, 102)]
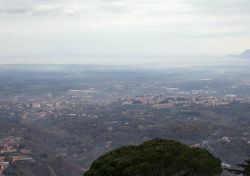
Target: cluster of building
[(160, 102), (12, 151), (74, 102), (52, 105)]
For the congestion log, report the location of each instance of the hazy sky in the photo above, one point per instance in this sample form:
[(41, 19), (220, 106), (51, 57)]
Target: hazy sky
[(36, 30)]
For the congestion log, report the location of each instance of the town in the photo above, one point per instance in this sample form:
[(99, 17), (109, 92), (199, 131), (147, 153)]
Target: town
[(11, 151), (125, 113), (68, 119)]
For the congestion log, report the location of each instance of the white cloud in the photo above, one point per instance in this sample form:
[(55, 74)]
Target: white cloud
[(123, 26)]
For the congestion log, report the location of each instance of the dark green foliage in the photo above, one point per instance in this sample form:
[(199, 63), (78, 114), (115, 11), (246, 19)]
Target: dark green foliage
[(245, 169), (157, 157)]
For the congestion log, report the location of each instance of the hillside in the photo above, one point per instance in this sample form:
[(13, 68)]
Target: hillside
[(154, 158), (44, 167), (245, 54)]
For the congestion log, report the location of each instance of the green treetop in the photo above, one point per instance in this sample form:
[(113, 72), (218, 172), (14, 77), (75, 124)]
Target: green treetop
[(157, 157)]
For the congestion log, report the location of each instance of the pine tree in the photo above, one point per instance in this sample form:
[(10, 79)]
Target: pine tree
[(244, 169)]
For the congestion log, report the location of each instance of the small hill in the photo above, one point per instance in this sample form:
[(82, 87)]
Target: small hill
[(157, 157), (245, 54)]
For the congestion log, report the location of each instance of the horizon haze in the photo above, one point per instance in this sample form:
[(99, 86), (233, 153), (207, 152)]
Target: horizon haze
[(59, 31)]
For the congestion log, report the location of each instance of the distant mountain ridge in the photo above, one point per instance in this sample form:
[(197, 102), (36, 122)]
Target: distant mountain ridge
[(245, 54)]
